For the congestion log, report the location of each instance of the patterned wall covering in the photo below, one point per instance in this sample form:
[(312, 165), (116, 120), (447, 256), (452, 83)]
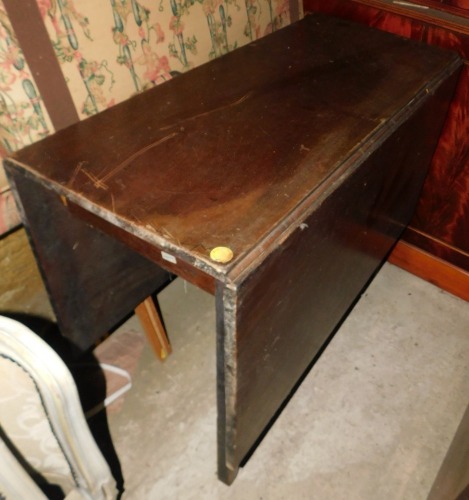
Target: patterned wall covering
[(133, 45), (23, 118), (109, 50)]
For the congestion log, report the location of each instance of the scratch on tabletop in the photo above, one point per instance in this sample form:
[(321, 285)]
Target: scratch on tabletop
[(168, 235), (210, 111), (199, 248), (133, 157), (98, 183), (77, 170), (163, 232), (101, 183)]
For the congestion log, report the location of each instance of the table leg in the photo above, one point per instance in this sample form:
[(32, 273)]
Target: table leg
[(155, 331)]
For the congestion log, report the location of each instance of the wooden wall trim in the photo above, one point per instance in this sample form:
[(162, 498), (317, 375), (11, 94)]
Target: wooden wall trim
[(296, 10), (450, 18), (35, 43), (430, 268)]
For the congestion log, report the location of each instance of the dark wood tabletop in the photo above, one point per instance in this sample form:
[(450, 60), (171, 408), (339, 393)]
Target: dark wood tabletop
[(225, 154)]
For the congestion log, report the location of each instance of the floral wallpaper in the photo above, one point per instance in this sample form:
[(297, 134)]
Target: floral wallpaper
[(23, 119), (111, 49), (108, 50)]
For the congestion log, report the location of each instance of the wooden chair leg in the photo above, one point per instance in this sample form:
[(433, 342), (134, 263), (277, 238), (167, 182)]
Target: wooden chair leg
[(154, 329)]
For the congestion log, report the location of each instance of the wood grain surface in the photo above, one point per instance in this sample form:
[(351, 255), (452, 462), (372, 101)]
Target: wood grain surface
[(272, 122)]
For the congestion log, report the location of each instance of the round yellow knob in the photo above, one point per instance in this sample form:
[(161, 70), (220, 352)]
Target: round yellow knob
[(221, 254)]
